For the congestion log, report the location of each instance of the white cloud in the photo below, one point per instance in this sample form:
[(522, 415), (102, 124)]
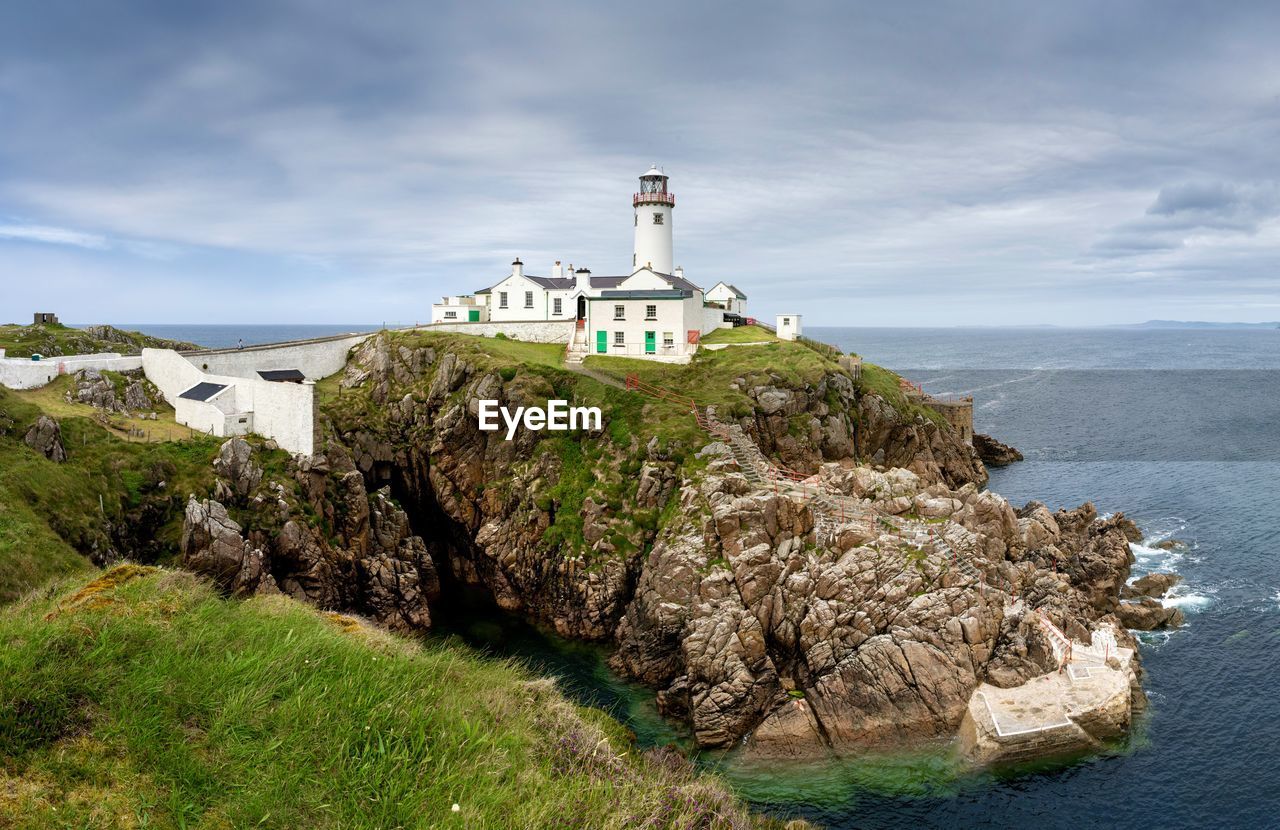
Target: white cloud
[(54, 236)]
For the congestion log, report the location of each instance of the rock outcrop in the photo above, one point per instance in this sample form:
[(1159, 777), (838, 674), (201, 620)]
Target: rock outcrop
[(756, 628), (98, 390), (994, 453), (45, 437), (318, 536)]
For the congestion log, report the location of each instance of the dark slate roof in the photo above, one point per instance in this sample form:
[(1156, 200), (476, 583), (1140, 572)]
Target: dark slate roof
[(283, 375), (203, 391), (482, 291), (552, 282), (606, 282), (647, 294)]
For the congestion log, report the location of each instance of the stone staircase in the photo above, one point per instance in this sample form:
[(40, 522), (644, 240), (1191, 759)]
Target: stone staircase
[(576, 351)]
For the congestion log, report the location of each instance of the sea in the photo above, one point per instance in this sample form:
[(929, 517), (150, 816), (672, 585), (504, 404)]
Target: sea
[(1175, 428)]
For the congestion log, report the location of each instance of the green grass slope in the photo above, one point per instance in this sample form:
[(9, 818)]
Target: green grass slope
[(144, 699), (52, 340), (53, 515)]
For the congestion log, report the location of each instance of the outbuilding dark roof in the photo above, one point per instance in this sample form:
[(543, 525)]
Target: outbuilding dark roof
[(283, 375), (203, 391)]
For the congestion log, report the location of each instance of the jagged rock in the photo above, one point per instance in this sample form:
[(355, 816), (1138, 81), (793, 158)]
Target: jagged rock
[(45, 437), (994, 453), (1154, 585), (136, 398), (1148, 614), (883, 648), (212, 545), (238, 474)]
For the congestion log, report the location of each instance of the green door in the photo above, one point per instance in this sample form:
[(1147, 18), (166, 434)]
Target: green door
[(473, 315), (650, 342), (602, 342)]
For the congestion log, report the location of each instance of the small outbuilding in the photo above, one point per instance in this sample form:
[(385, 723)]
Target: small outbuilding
[(789, 326)]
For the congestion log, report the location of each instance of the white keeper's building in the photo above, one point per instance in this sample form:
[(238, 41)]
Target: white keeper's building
[(653, 311)]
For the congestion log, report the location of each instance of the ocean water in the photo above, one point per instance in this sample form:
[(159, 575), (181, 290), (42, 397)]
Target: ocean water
[(224, 336), (1177, 429)]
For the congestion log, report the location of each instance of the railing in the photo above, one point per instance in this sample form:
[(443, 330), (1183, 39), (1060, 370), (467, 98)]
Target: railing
[(653, 199)]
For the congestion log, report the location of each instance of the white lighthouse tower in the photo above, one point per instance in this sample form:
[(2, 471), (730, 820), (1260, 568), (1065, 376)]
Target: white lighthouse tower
[(653, 206)]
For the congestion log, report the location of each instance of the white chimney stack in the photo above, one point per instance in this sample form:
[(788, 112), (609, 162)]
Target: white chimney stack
[(557, 270), (582, 279), (517, 268), (679, 272)]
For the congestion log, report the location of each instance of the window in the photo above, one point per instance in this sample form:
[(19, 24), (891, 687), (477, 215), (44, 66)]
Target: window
[(668, 340), (637, 220), (528, 299), (451, 315), (633, 260), (619, 338), (657, 219), (557, 306), (651, 312), (619, 312), (786, 321), (502, 299)]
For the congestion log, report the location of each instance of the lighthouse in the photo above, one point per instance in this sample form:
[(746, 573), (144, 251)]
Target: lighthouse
[(653, 206)]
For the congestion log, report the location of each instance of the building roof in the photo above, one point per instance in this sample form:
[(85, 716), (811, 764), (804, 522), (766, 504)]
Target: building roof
[(481, 291), (737, 292), (654, 171), (283, 375), (648, 294), (203, 391)]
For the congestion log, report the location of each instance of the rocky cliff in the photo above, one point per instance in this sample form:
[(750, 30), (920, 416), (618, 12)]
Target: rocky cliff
[(748, 619)]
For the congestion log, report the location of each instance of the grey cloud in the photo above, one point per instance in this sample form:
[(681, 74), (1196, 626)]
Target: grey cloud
[(835, 154)]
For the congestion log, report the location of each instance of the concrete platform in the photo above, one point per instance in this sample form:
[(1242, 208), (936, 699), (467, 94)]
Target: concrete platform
[(1073, 710)]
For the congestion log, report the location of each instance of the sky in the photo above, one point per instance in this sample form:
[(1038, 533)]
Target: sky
[(863, 164)]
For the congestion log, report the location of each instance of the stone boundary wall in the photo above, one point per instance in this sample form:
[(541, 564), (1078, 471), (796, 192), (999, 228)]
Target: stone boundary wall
[(529, 331), (25, 373)]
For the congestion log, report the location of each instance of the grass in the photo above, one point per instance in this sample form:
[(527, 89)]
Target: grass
[(53, 515), (55, 340), (740, 334), (51, 398), (143, 699)]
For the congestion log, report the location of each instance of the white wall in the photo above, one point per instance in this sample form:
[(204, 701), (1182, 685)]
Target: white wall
[(653, 242), (316, 359), (789, 326), (530, 331), (515, 287), (673, 315), (284, 412), (713, 318), (25, 373)]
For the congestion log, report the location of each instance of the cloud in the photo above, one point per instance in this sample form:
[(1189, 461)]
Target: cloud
[(53, 236), (1210, 211), (860, 163)]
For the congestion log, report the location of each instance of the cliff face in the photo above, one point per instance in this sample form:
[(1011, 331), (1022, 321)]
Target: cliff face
[(836, 419), (752, 624), (726, 599)]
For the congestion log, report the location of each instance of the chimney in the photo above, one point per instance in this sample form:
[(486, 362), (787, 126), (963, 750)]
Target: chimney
[(582, 279), (517, 268), (556, 270), (679, 272)]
